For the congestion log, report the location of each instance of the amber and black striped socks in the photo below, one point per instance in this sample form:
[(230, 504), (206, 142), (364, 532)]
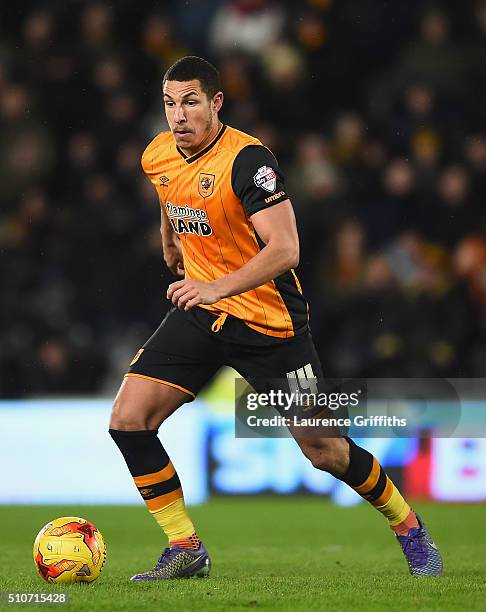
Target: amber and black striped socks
[(158, 484), (366, 476)]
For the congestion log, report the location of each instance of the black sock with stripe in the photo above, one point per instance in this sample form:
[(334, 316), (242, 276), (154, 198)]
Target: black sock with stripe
[(142, 450), (367, 477), (157, 483)]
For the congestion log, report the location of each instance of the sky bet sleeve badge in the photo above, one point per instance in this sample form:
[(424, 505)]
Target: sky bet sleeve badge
[(206, 184), (266, 179)]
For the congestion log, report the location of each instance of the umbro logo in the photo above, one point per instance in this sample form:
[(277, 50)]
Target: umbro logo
[(164, 180)]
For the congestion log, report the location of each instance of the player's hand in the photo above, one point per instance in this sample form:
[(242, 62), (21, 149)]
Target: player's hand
[(173, 259), (188, 293)]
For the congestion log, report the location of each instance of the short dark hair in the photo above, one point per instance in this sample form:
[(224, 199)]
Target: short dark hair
[(192, 67)]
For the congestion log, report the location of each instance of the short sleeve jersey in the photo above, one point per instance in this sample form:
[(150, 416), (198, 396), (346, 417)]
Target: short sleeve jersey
[(209, 199)]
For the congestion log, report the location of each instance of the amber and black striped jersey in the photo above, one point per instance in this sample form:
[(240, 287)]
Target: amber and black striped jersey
[(209, 199)]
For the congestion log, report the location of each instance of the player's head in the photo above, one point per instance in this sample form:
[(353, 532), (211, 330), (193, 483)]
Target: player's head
[(192, 98)]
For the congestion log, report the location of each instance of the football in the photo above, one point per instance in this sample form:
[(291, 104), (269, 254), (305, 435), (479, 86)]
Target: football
[(68, 550)]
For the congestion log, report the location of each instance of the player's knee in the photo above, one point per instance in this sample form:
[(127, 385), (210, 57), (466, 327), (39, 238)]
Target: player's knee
[(126, 417), (330, 455), (321, 458)]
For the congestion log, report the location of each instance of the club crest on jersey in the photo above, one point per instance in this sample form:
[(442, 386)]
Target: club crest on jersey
[(206, 184), (266, 179)]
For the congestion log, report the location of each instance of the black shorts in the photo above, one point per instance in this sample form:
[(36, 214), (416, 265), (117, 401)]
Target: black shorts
[(184, 353)]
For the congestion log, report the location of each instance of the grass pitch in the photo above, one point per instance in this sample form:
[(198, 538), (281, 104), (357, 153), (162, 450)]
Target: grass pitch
[(277, 553)]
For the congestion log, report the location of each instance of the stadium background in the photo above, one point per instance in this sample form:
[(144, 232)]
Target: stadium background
[(376, 112)]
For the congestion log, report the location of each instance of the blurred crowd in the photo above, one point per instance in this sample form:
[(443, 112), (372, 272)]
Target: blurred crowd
[(376, 112)]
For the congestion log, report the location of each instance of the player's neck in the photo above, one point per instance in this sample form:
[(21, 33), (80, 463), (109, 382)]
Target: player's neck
[(211, 135)]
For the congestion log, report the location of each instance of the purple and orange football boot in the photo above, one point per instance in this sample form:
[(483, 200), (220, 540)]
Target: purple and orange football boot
[(178, 562), (421, 553)]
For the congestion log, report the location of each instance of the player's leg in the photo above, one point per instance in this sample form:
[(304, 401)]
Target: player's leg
[(140, 407), (170, 370), (359, 469), (329, 451)]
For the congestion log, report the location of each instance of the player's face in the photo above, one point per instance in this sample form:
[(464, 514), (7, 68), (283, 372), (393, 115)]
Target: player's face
[(192, 116)]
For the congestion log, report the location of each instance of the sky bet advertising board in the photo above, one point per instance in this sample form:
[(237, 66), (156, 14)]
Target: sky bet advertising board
[(76, 462)]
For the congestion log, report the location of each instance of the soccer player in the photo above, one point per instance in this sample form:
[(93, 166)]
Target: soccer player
[(228, 227)]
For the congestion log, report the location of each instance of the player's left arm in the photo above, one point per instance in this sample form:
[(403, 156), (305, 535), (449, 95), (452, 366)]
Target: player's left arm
[(258, 182)]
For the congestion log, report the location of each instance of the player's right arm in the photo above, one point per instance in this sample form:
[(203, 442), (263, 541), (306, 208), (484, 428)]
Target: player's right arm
[(171, 245)]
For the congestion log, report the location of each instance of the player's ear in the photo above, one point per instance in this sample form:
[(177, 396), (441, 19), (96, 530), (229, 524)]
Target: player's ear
[(217, 101)]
